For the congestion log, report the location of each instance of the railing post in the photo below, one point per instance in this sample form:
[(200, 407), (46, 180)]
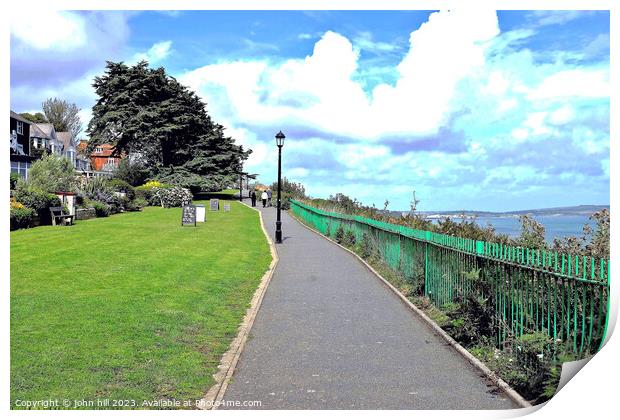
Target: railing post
[(480, 247), (427, 236)]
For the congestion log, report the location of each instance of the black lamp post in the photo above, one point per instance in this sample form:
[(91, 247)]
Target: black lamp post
[(239, 167), (279, 142), (240, 186)]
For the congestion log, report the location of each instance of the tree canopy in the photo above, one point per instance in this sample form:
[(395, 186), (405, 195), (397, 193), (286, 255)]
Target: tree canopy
[(37, 117), (63, 115), (145, 113)]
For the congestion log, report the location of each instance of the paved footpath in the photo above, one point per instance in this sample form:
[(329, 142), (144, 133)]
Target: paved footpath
[(330, 335)]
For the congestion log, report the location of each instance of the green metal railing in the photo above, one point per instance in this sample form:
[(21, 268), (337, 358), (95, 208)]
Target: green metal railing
[(529, 290)]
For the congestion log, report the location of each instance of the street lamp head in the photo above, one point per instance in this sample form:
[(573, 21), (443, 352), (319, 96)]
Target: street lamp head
[(280, 138)]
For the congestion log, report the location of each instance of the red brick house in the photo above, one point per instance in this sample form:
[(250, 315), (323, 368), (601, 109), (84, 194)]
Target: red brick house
[(102, 158)]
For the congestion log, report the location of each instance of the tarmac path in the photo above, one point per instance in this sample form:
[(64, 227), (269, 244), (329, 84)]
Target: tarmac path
[(330, 335)]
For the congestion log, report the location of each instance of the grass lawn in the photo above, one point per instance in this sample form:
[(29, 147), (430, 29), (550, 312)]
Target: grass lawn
[(133, 306), (231, 192)]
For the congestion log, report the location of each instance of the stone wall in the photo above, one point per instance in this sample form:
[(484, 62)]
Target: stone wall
[(83, 214)]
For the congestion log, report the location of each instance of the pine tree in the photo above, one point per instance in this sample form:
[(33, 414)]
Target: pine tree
[(150, 115)]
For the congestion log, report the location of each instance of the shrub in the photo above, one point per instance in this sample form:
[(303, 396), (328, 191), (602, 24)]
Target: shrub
[(52, 173), (286, 202), (14, 178), (136, 204), (289, 189), (172, 197), (119, 203), (148, 190), (532, 233), (101, 209), (287, 196), (16, 204), (96, 189), (367, 246), (143, 193), (118, 185), (535, 360), (39, 201), (36, 199), (339, 235), (134, 173), (349, 238), (21, 217), (152, 184)]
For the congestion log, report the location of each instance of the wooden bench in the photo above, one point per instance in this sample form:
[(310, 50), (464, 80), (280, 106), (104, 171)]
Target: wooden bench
[(59, 215)]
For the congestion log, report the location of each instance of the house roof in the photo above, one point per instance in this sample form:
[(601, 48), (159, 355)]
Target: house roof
[(66, 138), (48, 129), (107, 149), (19, 117), (35, 131)]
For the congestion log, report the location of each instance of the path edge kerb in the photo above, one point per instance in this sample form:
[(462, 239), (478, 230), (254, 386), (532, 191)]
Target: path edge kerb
[(499, 382), (229, 360)]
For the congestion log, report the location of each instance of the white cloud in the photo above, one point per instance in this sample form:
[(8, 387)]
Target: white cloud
[(157, 53), (457, 74), (562, 115), (598, 45), (586, 83), (252, 45), (520, 133), (556, 17), (319, 91), (45, 29), (298, 173), (536, 123), (497, 84)]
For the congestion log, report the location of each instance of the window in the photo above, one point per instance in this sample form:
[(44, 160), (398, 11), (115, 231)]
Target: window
[(20, 127), (112, 161), (21, 168), (98, 149)]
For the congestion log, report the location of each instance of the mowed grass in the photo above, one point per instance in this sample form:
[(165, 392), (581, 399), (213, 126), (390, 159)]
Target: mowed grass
[(133, 306)]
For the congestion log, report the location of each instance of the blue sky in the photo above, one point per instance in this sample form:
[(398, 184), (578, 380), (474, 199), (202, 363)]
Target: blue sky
[(474, 110)]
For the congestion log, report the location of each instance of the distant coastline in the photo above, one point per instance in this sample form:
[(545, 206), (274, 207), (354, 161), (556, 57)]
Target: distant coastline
[(581, 210)]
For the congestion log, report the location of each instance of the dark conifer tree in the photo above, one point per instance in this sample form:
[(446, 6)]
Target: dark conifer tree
[(151, 116)]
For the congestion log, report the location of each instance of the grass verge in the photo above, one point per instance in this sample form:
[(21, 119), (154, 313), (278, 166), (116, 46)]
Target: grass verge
[(131, 307)]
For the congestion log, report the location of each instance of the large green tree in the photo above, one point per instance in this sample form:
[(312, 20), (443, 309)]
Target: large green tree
[(146, 113)]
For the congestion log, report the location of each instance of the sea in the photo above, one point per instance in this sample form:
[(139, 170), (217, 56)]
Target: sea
[(556, 226)]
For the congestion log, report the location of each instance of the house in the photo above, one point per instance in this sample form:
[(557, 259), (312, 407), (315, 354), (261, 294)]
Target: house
[(44, 133), (29, 141), (103, 158), (82, 160), (45, 139), (20, 158), (40, 142), (68, 146)]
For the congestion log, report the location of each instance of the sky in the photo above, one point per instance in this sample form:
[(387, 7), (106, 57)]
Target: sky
[(479, 110)]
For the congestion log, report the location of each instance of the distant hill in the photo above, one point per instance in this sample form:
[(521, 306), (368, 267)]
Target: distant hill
[(572, 210)]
